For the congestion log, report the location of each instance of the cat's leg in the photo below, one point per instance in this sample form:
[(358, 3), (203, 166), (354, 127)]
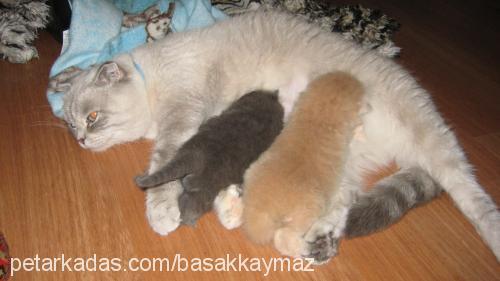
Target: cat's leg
[(323, 237), (442, 157), (162, 207), (321, 240), (228, 206), (415, 135)]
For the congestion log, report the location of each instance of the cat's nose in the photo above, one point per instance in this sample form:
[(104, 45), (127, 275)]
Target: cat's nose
[(81, 141)]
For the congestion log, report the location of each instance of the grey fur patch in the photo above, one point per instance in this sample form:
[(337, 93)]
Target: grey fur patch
[(389, 200)]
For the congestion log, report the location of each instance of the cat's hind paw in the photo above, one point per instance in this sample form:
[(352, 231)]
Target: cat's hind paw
[(162, 209), (228, 206), (322, 248), (324, 235)]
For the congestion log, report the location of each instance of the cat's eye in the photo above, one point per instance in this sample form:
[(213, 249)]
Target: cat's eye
[(92, 117), (72, 126)]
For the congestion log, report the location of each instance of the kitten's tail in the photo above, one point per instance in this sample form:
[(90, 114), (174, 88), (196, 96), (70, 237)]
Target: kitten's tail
[(182, 165), (389, 200)]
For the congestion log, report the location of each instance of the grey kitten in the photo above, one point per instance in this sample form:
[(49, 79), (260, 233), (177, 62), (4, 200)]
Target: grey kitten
[(218, 155)]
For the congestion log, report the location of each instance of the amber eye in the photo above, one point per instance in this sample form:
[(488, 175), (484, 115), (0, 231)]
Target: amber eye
[(92, 117)]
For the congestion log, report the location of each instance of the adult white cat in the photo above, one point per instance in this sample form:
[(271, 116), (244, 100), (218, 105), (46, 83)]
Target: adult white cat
[(166, 89)]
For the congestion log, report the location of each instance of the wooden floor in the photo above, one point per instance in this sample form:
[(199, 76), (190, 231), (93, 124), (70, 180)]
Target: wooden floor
[(56, 198)]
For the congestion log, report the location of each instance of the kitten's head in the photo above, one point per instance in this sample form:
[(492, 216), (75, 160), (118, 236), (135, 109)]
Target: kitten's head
[(107, 105)]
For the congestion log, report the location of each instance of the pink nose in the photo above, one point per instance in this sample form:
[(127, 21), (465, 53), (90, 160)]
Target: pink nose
[(81, 141)]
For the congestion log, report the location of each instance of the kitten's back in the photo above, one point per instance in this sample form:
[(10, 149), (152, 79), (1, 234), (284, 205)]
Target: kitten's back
[(331, 99)]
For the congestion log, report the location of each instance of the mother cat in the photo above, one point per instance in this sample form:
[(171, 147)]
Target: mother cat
[(165, 90)]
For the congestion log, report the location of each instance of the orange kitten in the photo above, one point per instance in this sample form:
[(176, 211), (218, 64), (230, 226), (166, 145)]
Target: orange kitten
[(288, 188)]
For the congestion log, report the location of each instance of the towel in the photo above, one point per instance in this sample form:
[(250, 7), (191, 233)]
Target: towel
[(102, 29)]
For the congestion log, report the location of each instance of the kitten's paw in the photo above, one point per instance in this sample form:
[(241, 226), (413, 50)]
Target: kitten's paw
[(228, 206), (289, 242), (142, 181), (162, 208)]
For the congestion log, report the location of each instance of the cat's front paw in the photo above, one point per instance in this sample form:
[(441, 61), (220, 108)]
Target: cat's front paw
[(162, 207), (228, 206)]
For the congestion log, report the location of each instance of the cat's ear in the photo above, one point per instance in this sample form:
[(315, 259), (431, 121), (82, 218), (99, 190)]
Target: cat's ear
[(61, 83), (109, 73)]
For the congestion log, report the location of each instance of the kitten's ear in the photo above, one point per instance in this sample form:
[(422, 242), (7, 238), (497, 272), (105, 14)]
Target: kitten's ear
[(109, 73)]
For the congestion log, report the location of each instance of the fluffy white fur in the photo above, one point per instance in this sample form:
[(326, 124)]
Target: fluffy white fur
[(194, 75)]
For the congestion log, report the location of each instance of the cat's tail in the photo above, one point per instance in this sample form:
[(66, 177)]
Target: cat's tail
[(182, 165), (389, 200)]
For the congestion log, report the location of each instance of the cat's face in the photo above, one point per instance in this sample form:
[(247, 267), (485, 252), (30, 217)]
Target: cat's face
[(107, 105)]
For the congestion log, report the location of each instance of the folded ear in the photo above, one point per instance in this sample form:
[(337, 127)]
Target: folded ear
[(109, 73), (62, 82)]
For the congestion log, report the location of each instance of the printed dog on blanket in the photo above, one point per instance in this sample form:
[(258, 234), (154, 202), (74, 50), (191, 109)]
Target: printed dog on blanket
[(157, 23)]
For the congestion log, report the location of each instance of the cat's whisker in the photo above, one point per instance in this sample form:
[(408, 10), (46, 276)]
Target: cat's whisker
[(47, 124), (42, 106), (37, 109)]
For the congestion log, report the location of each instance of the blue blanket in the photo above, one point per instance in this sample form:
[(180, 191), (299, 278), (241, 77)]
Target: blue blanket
[(96, 33)]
